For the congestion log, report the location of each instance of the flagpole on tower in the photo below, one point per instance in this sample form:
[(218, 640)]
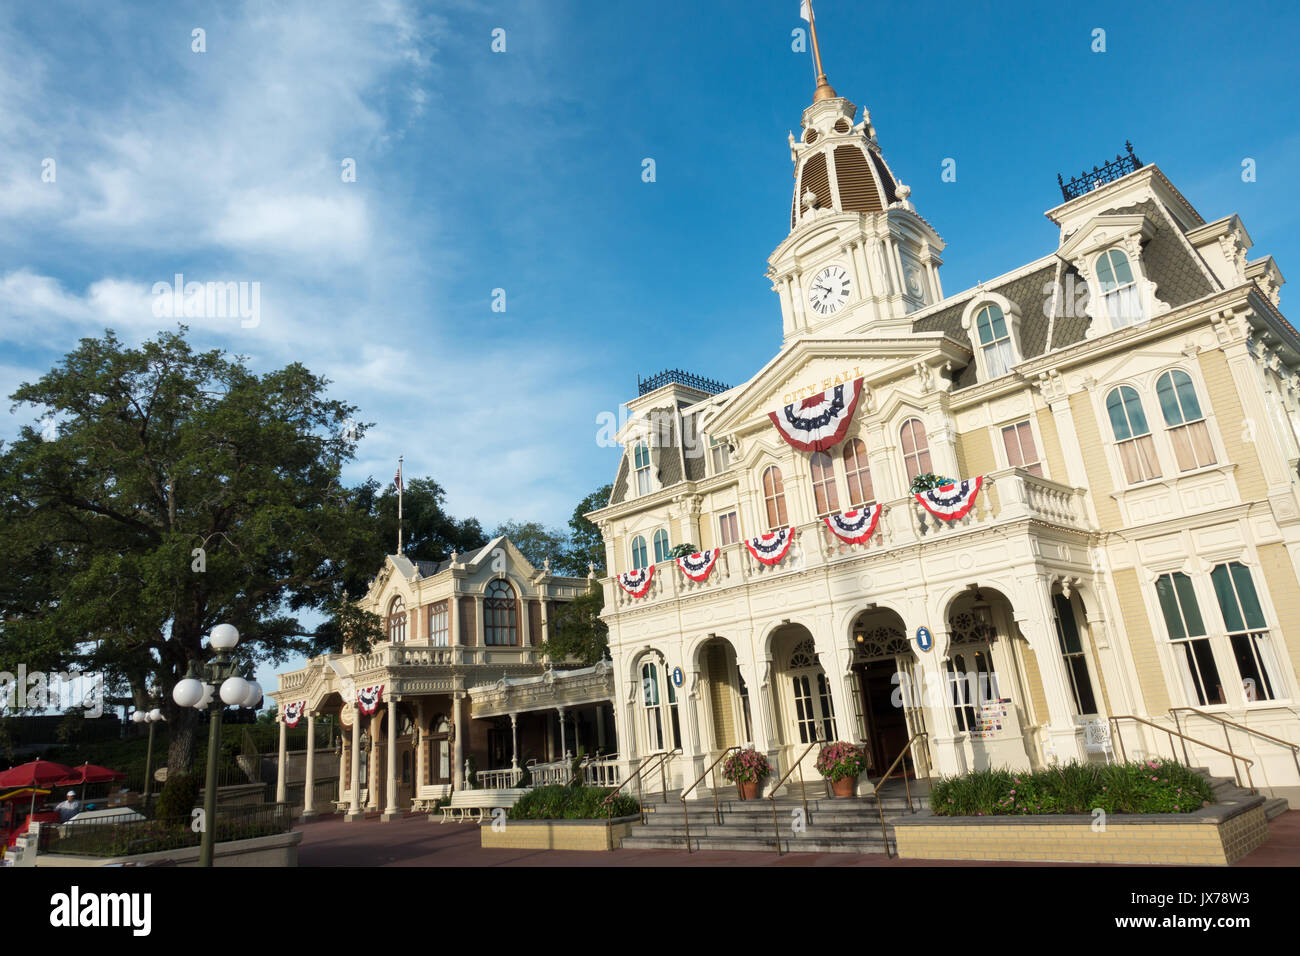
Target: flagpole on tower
[(399, 504), (824, 89)]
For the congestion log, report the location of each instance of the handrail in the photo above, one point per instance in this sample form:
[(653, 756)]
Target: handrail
[(907, 748), (661, 755), (717, 813), (1294, 748), (771, 794), (1115, 719)]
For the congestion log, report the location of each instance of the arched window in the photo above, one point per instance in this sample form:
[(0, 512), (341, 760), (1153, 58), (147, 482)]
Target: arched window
[(641, 461), (661, 546), (440, 624), (499, 614), (811, 695), (825, 493), (654, 687), (916, 449), (774, 498), (1118, 289), (1132, 436), (858, 473), (439, 766), (1187, 429), (639, 558), (995, 341), (397, 620)]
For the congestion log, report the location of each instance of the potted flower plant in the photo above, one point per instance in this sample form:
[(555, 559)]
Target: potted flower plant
[(842, 763), (746, 769)]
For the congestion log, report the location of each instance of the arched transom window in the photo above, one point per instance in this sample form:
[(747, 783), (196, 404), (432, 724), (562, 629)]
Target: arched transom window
[(774, 497), (397, 620), (823, 480), (858, 473), (916, 448), (1118, 289), (1128, 422), (499, 614)]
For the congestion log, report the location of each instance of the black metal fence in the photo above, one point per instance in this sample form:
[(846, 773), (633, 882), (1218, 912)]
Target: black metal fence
[(1107, 172), (127, 833)]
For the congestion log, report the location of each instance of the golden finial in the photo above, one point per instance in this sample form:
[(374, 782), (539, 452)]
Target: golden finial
[(824, 89)]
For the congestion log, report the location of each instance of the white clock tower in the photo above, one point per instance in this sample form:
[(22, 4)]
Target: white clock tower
[(858, 258)]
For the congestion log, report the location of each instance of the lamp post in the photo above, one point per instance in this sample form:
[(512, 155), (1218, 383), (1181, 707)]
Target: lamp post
[(201, 683), (151, 717)]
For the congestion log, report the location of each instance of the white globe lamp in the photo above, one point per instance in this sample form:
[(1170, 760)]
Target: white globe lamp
[(234, 690), (188, 692), (224, 637)]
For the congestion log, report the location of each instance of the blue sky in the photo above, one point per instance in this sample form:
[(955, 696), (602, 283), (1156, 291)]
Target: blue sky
[(522, 171)]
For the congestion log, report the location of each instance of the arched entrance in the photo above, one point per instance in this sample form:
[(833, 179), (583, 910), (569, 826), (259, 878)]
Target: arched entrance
[(437, 765), (730, 722), (805, 708), (986, 689), (889, 704)]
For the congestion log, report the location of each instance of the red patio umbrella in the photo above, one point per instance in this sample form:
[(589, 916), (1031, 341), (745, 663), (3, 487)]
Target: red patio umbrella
[(34, 773), (85, 773)]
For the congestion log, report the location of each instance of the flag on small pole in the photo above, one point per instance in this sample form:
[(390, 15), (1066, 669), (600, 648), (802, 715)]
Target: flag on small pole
[(398, 482)]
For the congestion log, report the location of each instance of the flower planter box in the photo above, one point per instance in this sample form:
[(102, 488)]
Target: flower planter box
[(1212, 836), (557, 834)]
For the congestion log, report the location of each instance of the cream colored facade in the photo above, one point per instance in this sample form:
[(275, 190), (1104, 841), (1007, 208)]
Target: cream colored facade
[(457, 630), (1050, 591)]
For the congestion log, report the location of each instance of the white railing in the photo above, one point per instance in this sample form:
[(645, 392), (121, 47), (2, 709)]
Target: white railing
[(550, 774), (603, 771), (1007, 496), (498, 779)]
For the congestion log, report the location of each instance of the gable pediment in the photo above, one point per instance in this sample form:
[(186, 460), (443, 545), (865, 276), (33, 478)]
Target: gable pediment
[(809, 366), (1105, 230)]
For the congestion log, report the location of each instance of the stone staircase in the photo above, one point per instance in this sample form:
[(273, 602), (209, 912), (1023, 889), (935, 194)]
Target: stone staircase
[(1227, 791), (833, 825)]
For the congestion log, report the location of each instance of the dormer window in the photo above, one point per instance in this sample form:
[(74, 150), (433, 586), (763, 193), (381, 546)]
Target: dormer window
[(1119, 290), (995, 341), (641, 462), (720, 455)]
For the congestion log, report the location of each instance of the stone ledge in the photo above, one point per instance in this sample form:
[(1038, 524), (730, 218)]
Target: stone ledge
[(558, 834)]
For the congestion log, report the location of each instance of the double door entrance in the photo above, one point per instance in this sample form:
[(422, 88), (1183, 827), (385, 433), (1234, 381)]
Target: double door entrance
[(889, 716)]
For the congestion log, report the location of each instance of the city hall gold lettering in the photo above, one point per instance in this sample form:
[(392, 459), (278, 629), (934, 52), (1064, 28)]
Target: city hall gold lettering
[(789, 398)]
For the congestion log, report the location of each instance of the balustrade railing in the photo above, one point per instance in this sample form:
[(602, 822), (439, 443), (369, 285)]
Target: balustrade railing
[(1007, 495)]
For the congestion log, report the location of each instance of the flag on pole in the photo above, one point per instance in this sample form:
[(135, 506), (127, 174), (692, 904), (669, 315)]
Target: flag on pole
[(805, 10), (397, 481)]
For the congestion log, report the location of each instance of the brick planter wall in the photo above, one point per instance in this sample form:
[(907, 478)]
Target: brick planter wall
[(557, 834), (1216, 836)]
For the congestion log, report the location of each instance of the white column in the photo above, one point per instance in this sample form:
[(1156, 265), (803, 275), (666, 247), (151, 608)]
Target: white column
[(458, 755), (390, 795), (564, 749), (600, 727), (479, 623), (936, 695), (514, 741), (354, 806), (1034, 615), (281, 784), (453, 620), (309, 783), (420, 760)]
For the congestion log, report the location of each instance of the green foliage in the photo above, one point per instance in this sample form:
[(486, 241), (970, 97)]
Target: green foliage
[(682, 551), (586, 545), (745, 766), (162, 450), (578, 633), (180, 794), (1153, 786), (536, 542), (841, 760), (926, 481), (150, 836), (561, 802)]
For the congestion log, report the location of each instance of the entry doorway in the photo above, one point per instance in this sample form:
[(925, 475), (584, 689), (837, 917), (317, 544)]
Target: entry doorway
[(887, 728)]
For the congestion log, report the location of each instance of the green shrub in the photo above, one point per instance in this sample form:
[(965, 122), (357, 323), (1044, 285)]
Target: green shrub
[(1153, 786), (180, 794), (560, 802)]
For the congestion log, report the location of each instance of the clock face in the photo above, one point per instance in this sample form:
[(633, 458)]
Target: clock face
[(829, 290)]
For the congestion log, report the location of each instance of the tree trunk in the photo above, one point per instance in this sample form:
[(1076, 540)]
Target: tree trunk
[(180, 740)]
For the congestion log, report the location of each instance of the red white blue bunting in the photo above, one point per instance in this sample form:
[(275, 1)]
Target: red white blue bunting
[(293, 712), (855, 527), (819, 421), (637, 583), (951, 502), (770, 548), (698, 565), (368, 698)]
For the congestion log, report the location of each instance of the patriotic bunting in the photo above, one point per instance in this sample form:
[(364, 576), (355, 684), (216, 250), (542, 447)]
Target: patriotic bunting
[(951, 502), (293, 712), (637, 583), (819, 421), (770, 548), (855, 527), (698, 565), (368, 698)]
